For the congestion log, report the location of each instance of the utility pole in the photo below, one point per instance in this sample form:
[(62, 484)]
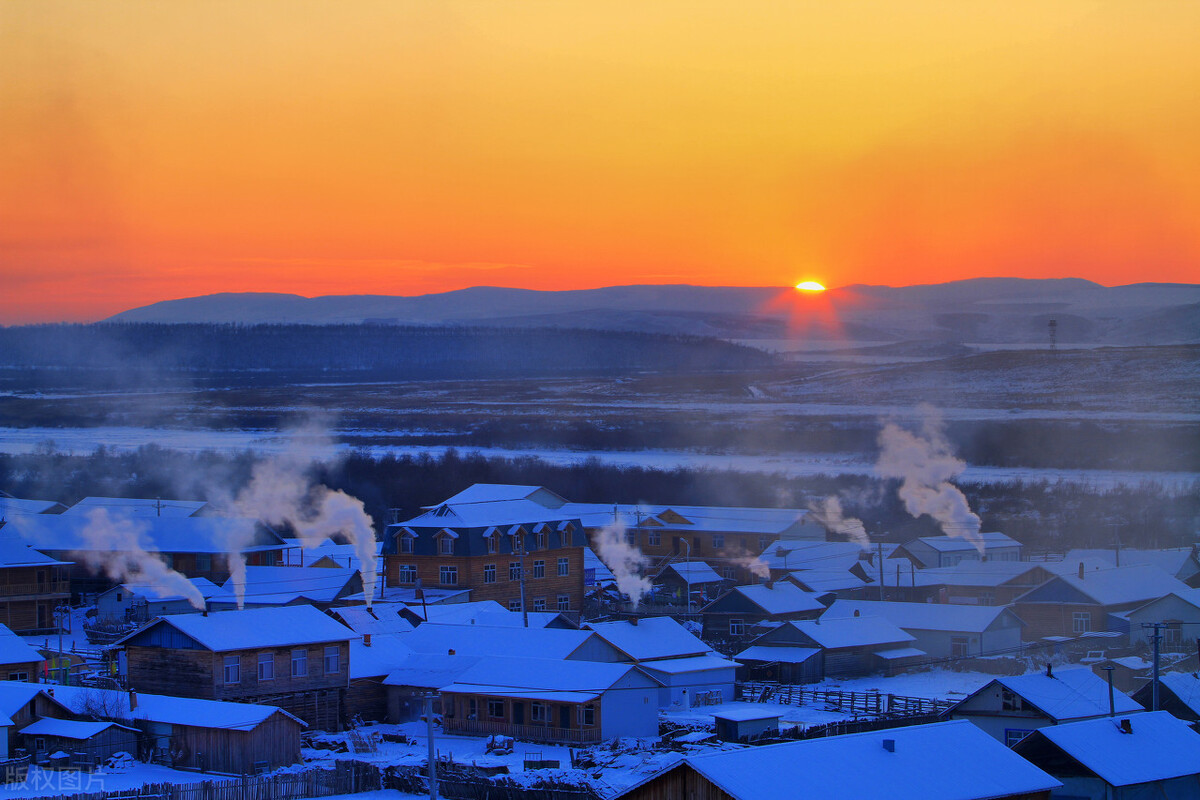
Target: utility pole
[(1112, 707), (432, 751), (879, 548), (521, 556), (1158, 628)]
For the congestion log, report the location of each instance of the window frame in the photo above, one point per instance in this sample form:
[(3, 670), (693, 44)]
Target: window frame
[(564, 567), (489, 573), (266, 660), (406, 573), (737, 627), (300, 657), (564, 602), (539, 568), (448, 574), (492, 706), (231, 665), (334, 652), (1081, 622)]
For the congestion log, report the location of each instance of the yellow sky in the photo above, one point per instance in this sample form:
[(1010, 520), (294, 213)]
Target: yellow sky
[(161, 149)]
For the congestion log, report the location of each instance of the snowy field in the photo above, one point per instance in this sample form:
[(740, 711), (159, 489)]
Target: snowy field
[(47, 783), (85, 440)]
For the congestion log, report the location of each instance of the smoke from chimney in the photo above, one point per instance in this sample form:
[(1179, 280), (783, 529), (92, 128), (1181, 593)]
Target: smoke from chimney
[(624, 559), (828, 512)]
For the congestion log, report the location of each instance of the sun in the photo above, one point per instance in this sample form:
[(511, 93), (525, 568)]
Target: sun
[(810, 286)]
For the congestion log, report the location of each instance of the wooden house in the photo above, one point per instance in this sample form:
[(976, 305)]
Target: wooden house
[(33, 586), (17, 507), (746, 724), (975, 583), (1010, 708), (1091, 601), (18, 661), (807, 651), (194, 734), (373, 656), (1181, 613), (547, 700), (500, 551), (943, 630), (733, 615), (1181, 563), (294, 657), (692, 581), (515, 642), (87, 744), (22, 704), (943, 761), (140, 603), (1178, 692), (1150, 755), (263, 587), (946, 551)]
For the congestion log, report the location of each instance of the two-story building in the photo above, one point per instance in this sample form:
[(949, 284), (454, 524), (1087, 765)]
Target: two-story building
[(32, 587), (946, 551), (294, 657)]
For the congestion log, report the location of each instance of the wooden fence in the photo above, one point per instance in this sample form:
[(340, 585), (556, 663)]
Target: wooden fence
[(455, 781), (875, 704)]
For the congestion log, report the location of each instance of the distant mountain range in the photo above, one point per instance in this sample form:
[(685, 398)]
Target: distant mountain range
[(979, 311)]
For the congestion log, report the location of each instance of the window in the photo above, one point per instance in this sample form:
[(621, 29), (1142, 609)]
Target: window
[(1173, 634), (541, 540), (446, 545), (1014, 735), (472, 708), (539, 569), (539, 604), (564, 602), (1011, 701), (406, 543), (587, 715), (18, 676), (564, 567), (448, 575), (654, 538), (1081, 621), (514, 570), (266, 666), (406, 573), (233, 669), (39, 744), (631, 536), (496, 709), (118, 597), (737, 627), (204, 562), (514, 605), (518, 542), (493, 545), (489, 573), (539, 713), (332, 660), (718, 540), (960, 646), (727, 572), (299, 663), (987, 599)]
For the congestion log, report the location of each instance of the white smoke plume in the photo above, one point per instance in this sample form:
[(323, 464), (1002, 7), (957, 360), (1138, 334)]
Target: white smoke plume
[(757, 566), (925, 466), (828, 512), (624, 559), (115, 549), (281, 491)]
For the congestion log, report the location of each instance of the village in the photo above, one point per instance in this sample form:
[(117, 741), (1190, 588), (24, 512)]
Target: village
[(510, 642)]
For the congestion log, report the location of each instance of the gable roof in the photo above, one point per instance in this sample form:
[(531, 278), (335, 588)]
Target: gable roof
[(166, 709), (1067, 694), (693, 572), (380, 618), (923, 616), (154, 591), (69, 532), (544, 679), (279, 585), (953, 544), (1110, 587), (139, 507), (16, 553), (487, 640), (941, 761), (14, 695), (15, 650), (70, 729), (821, 581), (381, 656), (13, 506), (832, 634), (256, 627), (799, 554), (651, 638), (1178, 561), (493, 492), (1184, 685), (779, 598), (964, 573), (1157, 748)]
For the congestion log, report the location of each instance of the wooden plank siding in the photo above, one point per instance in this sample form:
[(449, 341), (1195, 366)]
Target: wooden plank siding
[(275, 742), (471, 571)]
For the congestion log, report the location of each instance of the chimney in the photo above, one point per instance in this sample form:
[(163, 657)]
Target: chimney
[(366, 640), (633, 621), (858, 612), (889, 745), (1126, 726), (1049, 670), (50, 691), (1080, 570), (132, 699)]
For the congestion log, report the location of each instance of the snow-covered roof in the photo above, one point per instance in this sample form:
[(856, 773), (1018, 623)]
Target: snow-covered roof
[(384, 654), (14, 650), (458, 613), (900, 652), (342, 555), (821, 581), (72, 532), (1173, 561), (16, 506), (834, 633), (379, 619), (430, 670), (14, 695), (16, 553), (515, 619), (486, 640), (942, 761), (694, 572), (493, 492), (921, 616), (1067, 694), (784, 655), (154, 591), (680, 666), (253, 628), (1185, 686), (139, 507), (1117, 586), (1157, 747), (718, 519), (650, 638), (279, 585), (164, 708), (964, 573), (780, 598), (542, 678), (954, 544), (484, 514), (748, 714), (798, 555), (69, 729), (602, 573)]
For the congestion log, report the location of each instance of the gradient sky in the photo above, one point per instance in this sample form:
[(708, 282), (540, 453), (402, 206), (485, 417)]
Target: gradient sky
[(153, 150)]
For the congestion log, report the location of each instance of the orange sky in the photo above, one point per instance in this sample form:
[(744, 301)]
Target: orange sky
[(152, 150)]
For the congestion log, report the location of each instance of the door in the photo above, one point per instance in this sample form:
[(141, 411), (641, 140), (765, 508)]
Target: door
[(675, 545), (518, 713), (564, 717)]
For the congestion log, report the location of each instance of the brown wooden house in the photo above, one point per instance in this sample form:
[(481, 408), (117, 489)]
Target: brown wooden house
[(24, 704), (32, 586), (294, 657)]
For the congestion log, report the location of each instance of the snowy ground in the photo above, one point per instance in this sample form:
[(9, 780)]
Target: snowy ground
[(937, 684), (45, 783)]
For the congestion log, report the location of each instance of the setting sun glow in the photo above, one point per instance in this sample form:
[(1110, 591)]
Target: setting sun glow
[(810, 286)]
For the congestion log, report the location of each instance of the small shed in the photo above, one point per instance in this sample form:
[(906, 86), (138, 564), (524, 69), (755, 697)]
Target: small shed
[(746, 724), (87, 743)]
